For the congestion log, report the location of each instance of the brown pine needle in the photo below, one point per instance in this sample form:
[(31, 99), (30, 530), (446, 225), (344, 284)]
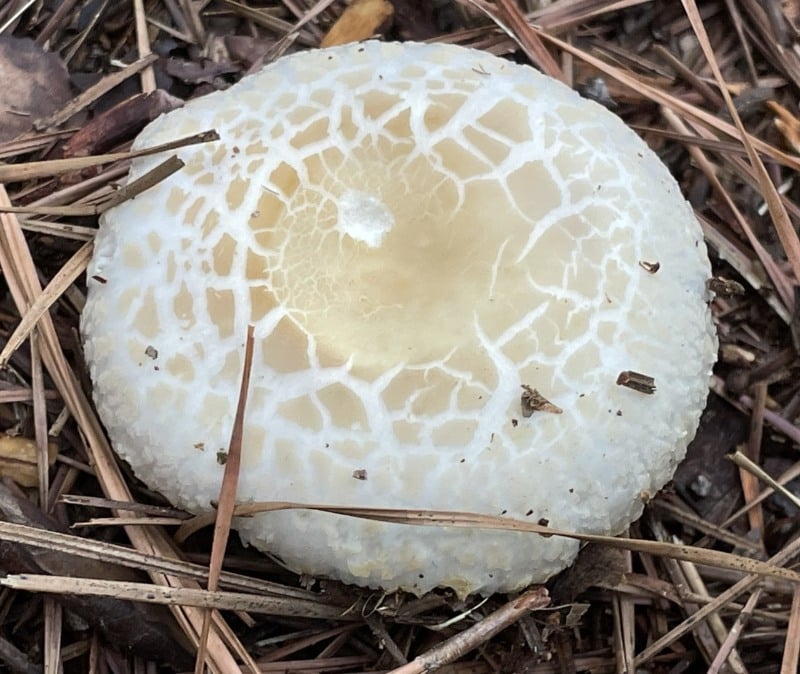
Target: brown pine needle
[(780, 218), (441, 518), (53, 167), (791, 652), (54, 290), (227, 501)]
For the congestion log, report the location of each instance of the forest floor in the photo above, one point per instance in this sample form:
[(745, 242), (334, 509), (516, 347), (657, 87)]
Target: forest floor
[(711, 85)]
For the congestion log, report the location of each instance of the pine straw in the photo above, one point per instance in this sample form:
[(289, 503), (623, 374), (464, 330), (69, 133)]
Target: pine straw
[(696, 585)]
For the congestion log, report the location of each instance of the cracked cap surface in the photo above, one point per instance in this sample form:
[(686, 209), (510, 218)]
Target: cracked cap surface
[(416, 231)]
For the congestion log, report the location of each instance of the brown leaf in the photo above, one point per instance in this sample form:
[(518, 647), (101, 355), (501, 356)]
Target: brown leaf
[(248, 50), (18, 459), (595, 565), (33, 84), (361, 20), (197, 72)]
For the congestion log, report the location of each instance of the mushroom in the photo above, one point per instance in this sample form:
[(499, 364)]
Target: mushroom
[(449, 260)]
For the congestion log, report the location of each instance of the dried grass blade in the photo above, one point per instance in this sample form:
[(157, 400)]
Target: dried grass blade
[(154, 176), (745, 402), (52, 636), (624, 631), (717, 630), (192, 20), (60, 230), (783, 225), (32, 143), (744, 265), (40, 421), (755, 515), (124, 521), (754, 469), (56, 20), (738, 25), (230, 481), (683, 514), (262, 18), (680, 573), (726, 652), (66, 211), (132, 506), (16, 14), (126, 192), (560, 16)]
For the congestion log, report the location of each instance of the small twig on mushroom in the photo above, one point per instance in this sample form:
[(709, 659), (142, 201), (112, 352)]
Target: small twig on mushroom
[(128, 191), (637, 381), (533, 401)]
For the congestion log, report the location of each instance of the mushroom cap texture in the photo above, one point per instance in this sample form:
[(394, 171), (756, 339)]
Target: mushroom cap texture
[(416, 232)]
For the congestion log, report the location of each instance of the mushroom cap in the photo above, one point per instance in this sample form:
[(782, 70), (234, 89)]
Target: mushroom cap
[(417, 232)]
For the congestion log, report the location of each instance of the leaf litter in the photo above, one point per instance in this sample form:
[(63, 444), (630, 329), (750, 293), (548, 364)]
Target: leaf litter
[(705, 581)]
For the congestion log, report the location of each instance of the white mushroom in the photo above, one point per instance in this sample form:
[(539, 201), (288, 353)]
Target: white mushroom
[(432, 243)]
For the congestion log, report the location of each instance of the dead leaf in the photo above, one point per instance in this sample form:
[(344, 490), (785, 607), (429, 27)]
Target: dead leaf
[(249, 50), (360, 21), (595, 565), (18, 459), (198, 72), (33, 84)]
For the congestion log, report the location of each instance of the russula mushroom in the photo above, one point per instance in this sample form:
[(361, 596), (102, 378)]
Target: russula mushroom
[(449, 260)]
